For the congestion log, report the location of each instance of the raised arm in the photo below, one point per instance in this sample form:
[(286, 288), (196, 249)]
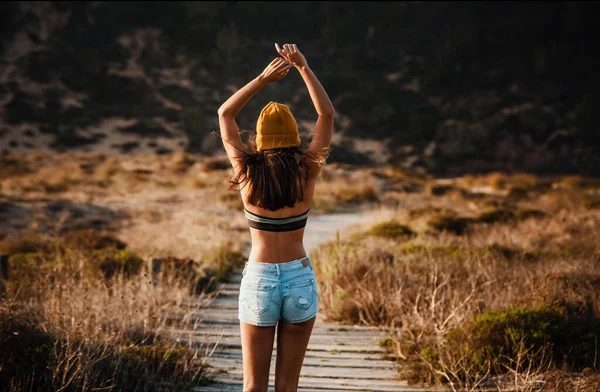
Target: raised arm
[(324, 126), (230, 109)]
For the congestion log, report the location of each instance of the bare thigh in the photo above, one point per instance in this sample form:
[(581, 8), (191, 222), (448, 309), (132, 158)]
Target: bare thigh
[(292, 341), (257, 348)]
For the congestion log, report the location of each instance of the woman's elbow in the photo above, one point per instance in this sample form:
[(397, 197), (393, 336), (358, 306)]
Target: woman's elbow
[(224, 112), (329, 112)]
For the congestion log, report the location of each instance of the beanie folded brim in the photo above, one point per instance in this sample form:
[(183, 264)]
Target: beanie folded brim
[(266, 142)]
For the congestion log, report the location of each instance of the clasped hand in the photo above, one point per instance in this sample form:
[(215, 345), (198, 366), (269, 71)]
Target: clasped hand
[(280, 66)]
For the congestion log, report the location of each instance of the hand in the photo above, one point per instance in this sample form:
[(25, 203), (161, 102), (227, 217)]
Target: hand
[(275, 71), (291, 53)]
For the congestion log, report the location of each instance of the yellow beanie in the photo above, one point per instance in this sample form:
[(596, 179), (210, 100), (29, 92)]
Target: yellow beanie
[(276, 128)]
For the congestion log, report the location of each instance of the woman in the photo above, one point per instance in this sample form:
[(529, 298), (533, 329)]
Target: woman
[(276, 179)]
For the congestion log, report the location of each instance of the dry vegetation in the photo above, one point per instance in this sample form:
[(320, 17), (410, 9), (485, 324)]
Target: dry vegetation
[(80, 311), (485, 282)]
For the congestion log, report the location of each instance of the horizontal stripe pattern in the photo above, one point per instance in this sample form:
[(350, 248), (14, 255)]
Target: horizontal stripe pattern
[(276, 224)]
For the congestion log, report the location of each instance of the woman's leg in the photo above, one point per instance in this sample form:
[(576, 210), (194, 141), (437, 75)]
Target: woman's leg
[(292, 341), (257, 347)]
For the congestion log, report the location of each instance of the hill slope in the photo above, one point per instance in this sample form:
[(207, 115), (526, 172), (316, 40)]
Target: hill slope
[(445, 86)]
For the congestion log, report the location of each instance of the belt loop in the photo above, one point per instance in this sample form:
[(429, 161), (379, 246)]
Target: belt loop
[(278, 270)]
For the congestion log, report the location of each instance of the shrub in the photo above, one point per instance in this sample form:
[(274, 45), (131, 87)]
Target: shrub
[(439, 189), (215, 267), (517, 193), (391, 230), (580, 182), (24, 243), (454, 224), (324, 205), (126, 261), (159, 358), (232, 199), (181, 161), (512, 253), (592, 204), (497, 180), (531, 214), (501, 250), (419, 212), (569, 333), (359, 194), (216, 163), (13, 166), (223, 260), (496, 215), (570, 286), (26, 350), (85, 239)]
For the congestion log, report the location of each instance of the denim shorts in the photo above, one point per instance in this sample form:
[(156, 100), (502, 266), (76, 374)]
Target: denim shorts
[(278, 291)]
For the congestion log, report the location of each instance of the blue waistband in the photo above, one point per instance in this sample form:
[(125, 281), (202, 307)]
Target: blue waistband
[(294, 265)]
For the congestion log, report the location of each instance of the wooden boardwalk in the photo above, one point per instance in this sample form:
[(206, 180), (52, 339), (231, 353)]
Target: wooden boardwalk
[(339, 357)]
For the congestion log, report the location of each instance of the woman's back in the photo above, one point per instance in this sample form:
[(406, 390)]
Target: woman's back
[(275, 246)]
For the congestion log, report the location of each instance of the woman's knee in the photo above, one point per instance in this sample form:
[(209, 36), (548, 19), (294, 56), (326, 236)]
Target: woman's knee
[(255, 387), (286, 385)]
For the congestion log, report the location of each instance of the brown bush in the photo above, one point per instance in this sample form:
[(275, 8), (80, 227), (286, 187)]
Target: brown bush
[(453, 224), (216, 164), (27, 242)]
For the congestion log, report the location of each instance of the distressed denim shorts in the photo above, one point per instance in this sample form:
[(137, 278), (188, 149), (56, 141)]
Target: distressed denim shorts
[(278, 291)]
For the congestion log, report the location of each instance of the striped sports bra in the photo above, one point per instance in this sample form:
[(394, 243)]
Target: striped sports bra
[(276, 224)]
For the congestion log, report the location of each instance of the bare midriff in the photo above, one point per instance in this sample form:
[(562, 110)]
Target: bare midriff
[(281, 246), (276, 247)]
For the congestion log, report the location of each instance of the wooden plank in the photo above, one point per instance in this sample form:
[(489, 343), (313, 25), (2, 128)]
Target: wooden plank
[(322, 345), (334, 329), (237, 387), (317, 330), (235, 366), (335, 361), (320, 330), (315, 341), (333, 384), (322, 355), (314, 347)]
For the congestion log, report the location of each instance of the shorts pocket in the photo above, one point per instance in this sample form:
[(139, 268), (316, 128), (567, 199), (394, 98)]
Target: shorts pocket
[(303, 293), (257, 295)]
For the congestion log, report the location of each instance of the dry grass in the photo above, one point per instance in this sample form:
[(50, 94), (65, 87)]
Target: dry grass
[(95, 333), (80, 312), (66, 174), (456, 250), (342, 188), (467, 261)]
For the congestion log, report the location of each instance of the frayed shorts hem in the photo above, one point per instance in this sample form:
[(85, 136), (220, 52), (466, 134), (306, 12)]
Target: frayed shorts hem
[(299, 320), (257, 324)]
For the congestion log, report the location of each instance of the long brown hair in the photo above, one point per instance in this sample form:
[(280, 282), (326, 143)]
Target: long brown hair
[(276, 177)]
